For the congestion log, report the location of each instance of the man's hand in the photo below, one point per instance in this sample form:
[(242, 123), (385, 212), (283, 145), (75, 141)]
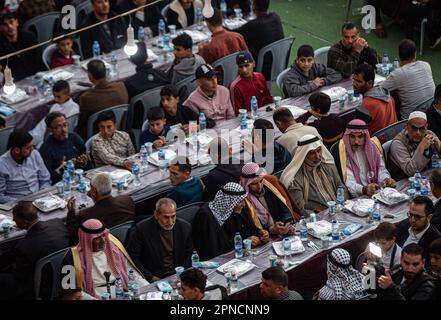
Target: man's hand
[(425, 143), (370, 189), (159, 143), (82, 159), (385, 281), (248, 146), (279, 228), (128, 164), (255, 241), (318, 82), (71, 205), (359, 45), (264, 236), (389, 182)]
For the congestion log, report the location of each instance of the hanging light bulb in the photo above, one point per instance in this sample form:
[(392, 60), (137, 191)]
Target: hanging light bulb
[(208, 10), (130, 48), (9, 87)]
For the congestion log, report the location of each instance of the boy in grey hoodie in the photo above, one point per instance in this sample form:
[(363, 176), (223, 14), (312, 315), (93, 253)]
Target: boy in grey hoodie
[(306, 76), (185, 63)]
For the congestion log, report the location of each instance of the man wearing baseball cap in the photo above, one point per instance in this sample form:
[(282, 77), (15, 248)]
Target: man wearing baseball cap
[(412, 149), (209, 97), (248, 84)]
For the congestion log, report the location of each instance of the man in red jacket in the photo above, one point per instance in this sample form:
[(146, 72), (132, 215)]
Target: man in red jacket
[(247, 84)]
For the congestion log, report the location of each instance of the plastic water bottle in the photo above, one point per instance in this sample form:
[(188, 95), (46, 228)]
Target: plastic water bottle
[(161, 31), (82, 191), (135, 291), (417, 181), (199, 19), (51, 81), (67, 182), (385, 60), (234, 281), (396, 64), (238, 245), (114, 66), (119, 291), (40, 89), (223, 8), (161, 154), (195, 260), (135, 171), (141, 34), (376, 216), (424, 188), (435, 160), (335, 231), (253, 106), (243, 123), (144, 156), (174, 294), (96, 49), (71, 169), (286, 245), (303, 229), (202, 122), (340, 201), (131, 277), (166, 43)]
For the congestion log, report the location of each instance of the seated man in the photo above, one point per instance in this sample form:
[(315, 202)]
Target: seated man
[(42, 238), (222, 42), (186, 189), (157, 129), (274, 285), (218, 221), (228, 168), (408, 281), (103, 95), (291, 130), (186, 62), (182, 13), (362, 167), (161, 243), (209, 97), (417, 228), (434, 112), (268, 153), (111, 35), (99, 260), (111, 146), (435, 187), (146, 77), (14, 39), (268, 200), (413, 81), (22, 170), (110, 210), (412, 149), (377, 101), (329, 125), (177, 113), (306, 75), (350, 51), (194, 287), (344, 282), (311, 178), (61, 146), (248, 84)]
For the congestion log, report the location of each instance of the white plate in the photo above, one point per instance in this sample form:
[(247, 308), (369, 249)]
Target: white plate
[(319, 228), (197, 36), (335, 92), (18, 96), (296, 246), (121, 174), (382, 196), (240, 267), (49, 203), (58, 75), (359, 207), (169, 156)]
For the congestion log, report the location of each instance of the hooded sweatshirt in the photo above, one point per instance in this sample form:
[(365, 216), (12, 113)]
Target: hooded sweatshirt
[(184, 68), (381, 107)]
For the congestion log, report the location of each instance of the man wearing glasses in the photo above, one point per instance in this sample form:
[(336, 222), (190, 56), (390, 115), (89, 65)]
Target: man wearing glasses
[(417, 228), (412, 149)]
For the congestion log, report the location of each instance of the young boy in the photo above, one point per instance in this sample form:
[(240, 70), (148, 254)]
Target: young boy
[(330, 126), (157, 130), (63, 103), (435, 265), (385, 236), (64, 53), (306, 76)]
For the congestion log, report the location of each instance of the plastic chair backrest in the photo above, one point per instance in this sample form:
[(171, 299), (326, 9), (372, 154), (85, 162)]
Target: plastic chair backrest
[(321, 55), (47, 55), (280, 78), (228, 66), (4, 137), (185, 87), (386, 147), (121, 231), (88, 144), (391, 131), (280, 51), (119, 111), (55, 260), (145, 125), (73, 122), (82, 10), (425, 105), (164, 12), (43, 26), (189, 211)]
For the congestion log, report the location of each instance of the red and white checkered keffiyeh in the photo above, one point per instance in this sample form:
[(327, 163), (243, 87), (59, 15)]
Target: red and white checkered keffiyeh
[(115, 258)]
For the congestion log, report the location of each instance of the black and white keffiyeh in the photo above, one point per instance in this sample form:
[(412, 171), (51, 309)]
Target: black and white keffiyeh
[(229, 196), (344, 282)]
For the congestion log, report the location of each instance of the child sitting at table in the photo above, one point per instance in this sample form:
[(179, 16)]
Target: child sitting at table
[(157, 129), (63, 103), (306, 75), (64, 53)]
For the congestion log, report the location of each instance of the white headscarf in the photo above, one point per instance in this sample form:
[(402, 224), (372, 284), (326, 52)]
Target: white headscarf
[(229, 196)]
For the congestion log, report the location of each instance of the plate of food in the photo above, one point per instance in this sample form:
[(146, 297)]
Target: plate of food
[(237, 266), (19, 95), (335, 93), (359, 207), (296, 247), (390, 196), (121, 174), (49, 203), (57, 75), (170, 155), (319, 229)]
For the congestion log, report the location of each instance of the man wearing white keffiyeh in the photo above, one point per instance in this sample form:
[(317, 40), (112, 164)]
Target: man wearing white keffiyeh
[(344, 282), (217, 222)]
